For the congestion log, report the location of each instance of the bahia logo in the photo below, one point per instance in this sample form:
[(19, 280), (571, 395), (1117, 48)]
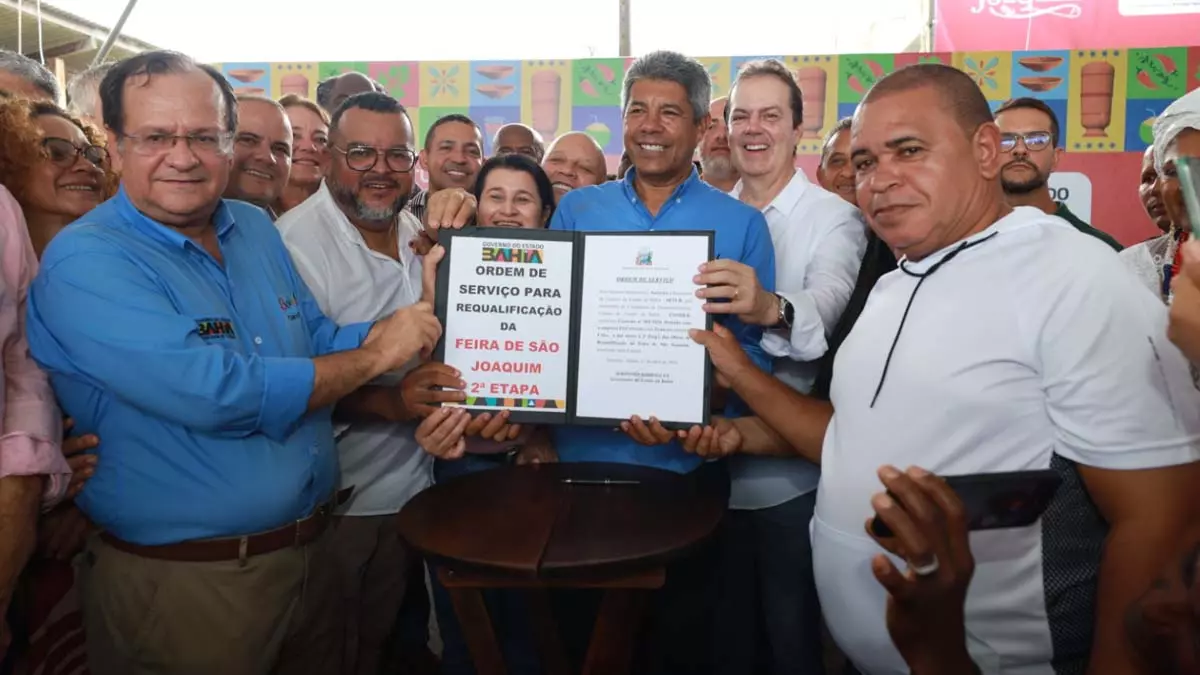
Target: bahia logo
[(212, 328), (645, 257)]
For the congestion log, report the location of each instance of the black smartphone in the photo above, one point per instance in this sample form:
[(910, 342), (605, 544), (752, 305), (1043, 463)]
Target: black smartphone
[(996, 501), (1188, 169)]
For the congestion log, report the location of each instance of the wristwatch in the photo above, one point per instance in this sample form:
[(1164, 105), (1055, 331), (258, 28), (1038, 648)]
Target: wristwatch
[(787, 313)]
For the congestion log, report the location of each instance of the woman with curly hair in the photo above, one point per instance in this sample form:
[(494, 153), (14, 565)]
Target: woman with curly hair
[(54, 163), (19, 140)]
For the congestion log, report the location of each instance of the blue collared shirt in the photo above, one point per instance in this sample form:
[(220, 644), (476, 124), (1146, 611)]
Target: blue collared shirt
[(195, 375), (740, 234)]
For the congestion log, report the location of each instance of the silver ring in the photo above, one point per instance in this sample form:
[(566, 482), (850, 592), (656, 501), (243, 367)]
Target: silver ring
[(925, 570)]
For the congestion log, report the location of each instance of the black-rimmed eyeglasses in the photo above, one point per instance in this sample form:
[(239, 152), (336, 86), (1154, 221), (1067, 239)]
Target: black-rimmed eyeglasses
[(363, 158)]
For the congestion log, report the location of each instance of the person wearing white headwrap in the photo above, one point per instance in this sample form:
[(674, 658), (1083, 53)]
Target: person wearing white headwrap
[(1180, 118), (1176, 134)]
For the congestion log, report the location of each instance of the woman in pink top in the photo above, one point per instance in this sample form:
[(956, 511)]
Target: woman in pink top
[(30, 443), (57, 171), (33, 472)]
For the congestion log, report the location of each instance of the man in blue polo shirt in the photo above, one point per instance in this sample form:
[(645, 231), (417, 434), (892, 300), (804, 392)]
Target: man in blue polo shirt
[(174, 326), (665, 103)]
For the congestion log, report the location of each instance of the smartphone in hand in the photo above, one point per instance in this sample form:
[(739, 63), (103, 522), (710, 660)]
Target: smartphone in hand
[(995, 501)]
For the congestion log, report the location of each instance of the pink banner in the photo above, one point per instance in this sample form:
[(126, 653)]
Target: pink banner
[(1018, 25)]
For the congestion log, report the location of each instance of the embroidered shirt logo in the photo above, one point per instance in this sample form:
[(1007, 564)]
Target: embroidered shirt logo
[(215, 328)]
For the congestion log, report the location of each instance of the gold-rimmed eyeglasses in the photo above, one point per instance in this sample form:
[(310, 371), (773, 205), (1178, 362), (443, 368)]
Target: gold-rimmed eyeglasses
[(205, 142)]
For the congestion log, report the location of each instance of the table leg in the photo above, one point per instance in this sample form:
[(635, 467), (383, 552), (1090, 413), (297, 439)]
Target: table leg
[(545, 631), (477, 629), (619, 621)]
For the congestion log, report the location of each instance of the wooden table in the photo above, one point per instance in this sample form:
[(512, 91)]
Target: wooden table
[(525, 528)]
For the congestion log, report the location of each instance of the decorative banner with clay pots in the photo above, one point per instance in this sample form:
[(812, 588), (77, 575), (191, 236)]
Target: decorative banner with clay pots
[(1106, 99), (1095, 117)]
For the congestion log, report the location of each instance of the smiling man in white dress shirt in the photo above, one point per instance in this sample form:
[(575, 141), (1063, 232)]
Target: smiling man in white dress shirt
[(819, 240)]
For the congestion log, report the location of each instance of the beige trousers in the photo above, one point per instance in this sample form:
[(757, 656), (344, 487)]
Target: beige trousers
[(156, 617)]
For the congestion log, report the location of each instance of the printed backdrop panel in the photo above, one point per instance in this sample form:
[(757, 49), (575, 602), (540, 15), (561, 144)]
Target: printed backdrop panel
[(1095, 116), (294, 78), (817, 76), (1107, 99), (399, 78)]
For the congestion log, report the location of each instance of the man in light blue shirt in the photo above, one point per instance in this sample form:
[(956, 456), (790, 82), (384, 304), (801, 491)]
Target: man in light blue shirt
[(665, 105), (174, 326)]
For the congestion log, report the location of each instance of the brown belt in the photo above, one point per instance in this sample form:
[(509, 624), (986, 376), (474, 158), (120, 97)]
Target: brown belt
[(297, 533)]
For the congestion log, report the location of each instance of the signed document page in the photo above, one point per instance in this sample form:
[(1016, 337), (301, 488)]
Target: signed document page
[(635, 356)]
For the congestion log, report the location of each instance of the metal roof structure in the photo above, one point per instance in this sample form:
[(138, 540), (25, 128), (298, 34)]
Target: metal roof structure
[(65, 36)]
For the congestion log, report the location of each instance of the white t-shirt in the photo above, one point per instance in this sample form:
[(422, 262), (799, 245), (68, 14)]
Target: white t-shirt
[(819, 240), (1032, 349), (352, 283)]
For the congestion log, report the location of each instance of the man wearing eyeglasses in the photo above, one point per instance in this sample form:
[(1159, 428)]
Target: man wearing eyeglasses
[(1029, 135), (262, 153), (175, 327), (350, 243)]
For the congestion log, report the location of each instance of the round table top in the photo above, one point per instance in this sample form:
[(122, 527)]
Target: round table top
[(531, 521)]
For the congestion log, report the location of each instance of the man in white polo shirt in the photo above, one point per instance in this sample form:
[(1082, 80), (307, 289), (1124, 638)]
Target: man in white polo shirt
[(1005, 342), (349, 242), (767, 585)]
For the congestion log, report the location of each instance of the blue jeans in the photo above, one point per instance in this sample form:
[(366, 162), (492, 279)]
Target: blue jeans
[(506, 608), (768, 611)]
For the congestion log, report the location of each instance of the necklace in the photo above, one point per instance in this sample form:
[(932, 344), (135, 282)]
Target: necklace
[(1171, 262), (921, 277)]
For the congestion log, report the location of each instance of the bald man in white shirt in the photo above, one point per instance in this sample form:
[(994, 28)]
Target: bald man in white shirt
[(1004, 342)]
